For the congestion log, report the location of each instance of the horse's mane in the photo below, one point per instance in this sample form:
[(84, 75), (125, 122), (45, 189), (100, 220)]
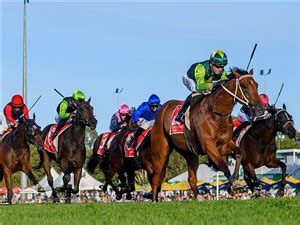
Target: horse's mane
[(239, 70)]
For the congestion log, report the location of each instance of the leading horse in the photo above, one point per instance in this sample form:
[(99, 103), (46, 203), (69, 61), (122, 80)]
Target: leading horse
[(15, 153), (258, 146), (71, 150), (210, 129)]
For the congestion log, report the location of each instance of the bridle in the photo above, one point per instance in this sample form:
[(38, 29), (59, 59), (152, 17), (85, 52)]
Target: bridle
[(244, 100)]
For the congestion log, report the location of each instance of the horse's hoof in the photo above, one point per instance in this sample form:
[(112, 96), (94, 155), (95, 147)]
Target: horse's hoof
[(119, 196), (148, 195), (41, 189), (128, 196), (68, 201), (280, 193), (103, 187), (55, 200)]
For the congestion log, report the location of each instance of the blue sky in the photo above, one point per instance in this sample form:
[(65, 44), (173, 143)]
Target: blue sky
[(144, 48)]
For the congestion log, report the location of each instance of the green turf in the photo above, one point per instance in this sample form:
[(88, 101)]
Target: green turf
[(261, 211)]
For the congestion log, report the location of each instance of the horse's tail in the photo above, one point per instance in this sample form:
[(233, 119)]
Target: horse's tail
[(1, 173), (94, 160), (41, 153)]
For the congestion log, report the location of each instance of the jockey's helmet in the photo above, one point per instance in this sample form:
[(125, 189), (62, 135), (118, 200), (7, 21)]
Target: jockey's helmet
[(17, 101), (153, 100), (219, 58), (78, 95), (124, 109), (264, 99)]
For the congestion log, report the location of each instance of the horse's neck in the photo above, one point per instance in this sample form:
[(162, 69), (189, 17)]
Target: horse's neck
[(18, 136), (267, 130), (78, 132), (222, 102)]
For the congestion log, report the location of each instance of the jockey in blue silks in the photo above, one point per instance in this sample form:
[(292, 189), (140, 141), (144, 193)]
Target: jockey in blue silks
[(144, 116)]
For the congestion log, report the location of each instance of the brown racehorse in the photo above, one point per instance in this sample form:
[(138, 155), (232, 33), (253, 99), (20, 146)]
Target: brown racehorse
[(71, 150), (258, 146), (103, 160), (120, 164), (211, 129), (15, 153)]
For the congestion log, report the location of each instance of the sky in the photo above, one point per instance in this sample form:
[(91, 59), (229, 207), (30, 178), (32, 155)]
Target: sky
[(144, 48)]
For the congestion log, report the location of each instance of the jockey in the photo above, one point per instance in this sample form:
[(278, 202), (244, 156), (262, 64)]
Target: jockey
[(245, 115), (120, 119), (66, 109), (202, 77), (14, 110), (144, 116)]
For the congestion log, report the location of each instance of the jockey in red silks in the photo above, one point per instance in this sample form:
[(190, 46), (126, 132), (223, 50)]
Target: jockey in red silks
[(120, 119), (14, 110)]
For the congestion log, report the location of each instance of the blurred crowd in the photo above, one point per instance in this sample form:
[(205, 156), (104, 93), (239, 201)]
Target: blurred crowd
[(138, 196)]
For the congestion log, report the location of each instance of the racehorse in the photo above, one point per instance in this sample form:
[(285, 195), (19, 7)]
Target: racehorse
[(71, 150), (211, 130), (102, 160), (15, 152), (258, 146), (119, 163)]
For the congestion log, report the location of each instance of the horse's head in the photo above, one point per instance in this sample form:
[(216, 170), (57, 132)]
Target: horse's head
[(284, 121), (246, 91), (33, 133), (85, 115)]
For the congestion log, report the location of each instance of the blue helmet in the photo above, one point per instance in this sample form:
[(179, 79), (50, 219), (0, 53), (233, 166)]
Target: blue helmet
[(153, 99)]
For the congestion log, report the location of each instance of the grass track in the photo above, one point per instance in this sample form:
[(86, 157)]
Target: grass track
[(261, 211)]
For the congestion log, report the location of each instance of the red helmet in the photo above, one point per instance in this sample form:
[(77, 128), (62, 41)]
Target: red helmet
[(17, 101), (264, 99)]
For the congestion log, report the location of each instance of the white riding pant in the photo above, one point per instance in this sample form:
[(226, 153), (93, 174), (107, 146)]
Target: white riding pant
[(145, 124), (189, 83)]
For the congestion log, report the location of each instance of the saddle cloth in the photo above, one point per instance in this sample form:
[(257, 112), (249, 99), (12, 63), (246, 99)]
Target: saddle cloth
[(49, 145)]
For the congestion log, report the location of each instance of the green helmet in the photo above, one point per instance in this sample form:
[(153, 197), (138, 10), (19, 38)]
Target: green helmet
[(219, 58), (78, 95)]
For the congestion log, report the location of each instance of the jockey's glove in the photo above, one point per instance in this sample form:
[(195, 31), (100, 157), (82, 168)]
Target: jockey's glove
[(206, 92)]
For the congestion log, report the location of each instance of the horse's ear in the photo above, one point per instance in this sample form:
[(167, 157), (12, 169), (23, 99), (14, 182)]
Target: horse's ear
[(33, 117), (251, 72), (89, 100), (235, 73), (284, 106)]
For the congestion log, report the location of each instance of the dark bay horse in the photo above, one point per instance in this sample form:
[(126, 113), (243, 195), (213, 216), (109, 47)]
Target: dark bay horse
[(258, 146), (122, 165), (103, 160), (15, 153), (211, 130), (71, 150)]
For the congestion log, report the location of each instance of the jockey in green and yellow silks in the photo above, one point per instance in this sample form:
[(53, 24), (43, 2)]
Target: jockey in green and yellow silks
[(202, 77)]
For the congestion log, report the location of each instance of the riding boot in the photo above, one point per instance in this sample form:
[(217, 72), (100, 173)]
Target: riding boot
[(58, 128), (132, 141), (186, 104)]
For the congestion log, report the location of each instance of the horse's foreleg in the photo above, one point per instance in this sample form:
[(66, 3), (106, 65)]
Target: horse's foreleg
[(27, 169), (192, 162), (47, 169), (238, 159), (161, 153), (216, 157), (7, 178), (66, 187), (277, 163), (111, 173), (77, 177), (247, 178)]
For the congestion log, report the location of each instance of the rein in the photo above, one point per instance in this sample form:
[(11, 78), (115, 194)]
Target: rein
[(243, 100)]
